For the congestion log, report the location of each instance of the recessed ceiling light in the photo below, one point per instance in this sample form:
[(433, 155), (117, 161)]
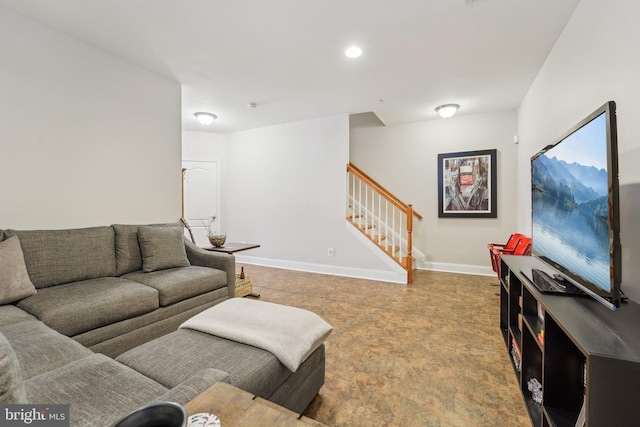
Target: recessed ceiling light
[(353, 52)]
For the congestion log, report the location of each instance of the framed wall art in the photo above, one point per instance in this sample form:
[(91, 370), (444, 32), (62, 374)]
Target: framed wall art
[(467, 185)]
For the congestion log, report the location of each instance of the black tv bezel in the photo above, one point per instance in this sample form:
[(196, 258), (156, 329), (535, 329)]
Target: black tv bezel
[(615, 271)]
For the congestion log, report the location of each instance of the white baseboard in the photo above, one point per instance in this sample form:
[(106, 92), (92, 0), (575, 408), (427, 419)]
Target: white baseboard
[(334, 270), (478, 270), (361, 273)]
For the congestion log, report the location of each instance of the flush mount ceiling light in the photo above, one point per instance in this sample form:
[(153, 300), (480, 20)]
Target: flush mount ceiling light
[(447, 110), (205, 118), (353, 52)]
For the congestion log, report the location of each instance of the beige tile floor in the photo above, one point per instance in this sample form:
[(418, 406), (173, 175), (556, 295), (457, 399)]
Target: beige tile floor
[(425, 354)]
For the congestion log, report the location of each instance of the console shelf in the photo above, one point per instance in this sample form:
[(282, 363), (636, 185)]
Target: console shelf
[(578, 350)]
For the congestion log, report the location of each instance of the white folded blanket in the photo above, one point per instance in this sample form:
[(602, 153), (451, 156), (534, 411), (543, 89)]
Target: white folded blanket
[(290, 333)]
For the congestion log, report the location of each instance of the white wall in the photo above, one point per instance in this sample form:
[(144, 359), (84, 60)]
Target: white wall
[(204, 145), (285, 188), (403, 158), (595, 60), (86, 138)]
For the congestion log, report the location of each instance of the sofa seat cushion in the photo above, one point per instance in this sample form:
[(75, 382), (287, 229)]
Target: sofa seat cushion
[(40, 349), (54, 257), (99, 390), (173, 358), (10, 314), (178, 284), (11, 385), (187, 390), (78, 307)]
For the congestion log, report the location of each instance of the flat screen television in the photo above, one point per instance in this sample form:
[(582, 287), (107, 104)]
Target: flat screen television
[(574, 204)]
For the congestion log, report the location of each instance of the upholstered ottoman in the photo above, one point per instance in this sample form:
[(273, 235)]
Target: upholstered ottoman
[(273, 351)]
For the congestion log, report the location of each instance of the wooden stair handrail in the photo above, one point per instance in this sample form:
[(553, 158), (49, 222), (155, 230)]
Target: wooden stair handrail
[(381, 190), (407, 209)]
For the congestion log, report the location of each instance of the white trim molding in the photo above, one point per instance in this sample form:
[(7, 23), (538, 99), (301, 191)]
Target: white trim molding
[(334, 270), (361, 273), (478, 270)]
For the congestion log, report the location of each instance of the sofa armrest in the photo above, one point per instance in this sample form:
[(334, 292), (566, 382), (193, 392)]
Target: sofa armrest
[(217, 260), (188, 389)]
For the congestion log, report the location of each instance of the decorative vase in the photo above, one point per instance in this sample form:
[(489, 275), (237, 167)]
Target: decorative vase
[(217, 240)]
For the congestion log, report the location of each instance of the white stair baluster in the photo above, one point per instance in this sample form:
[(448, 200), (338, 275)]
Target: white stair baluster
[(386, 224), (400, 234), (353, 199), (379, 219), (393, 230), (348, 194), (359, 202), (366, 207)]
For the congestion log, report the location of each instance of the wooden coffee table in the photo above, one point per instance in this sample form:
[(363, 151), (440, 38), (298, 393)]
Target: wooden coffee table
[(238, 408)]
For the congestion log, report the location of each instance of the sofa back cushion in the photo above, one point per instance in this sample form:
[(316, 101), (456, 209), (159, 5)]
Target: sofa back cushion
[(128, 254), (11, 385), (54, 257), (162, 248)]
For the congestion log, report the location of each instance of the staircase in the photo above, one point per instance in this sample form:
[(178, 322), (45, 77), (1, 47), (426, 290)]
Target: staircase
[(382, 217)]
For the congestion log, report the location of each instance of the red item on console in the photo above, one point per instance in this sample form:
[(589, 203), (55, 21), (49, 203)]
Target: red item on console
[(518, 244)]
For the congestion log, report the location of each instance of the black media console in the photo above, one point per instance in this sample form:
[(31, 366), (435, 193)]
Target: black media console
[(585, 357)]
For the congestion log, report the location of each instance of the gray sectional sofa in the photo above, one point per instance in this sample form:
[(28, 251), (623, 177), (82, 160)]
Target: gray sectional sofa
[(113, 288), (73, 300)]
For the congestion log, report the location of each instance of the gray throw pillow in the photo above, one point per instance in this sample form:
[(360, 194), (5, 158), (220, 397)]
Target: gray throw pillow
[(162, 248), (128, 256), (11, 385), (14, 278)]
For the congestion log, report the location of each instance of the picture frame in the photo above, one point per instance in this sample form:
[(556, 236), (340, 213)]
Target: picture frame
[(467, 184)]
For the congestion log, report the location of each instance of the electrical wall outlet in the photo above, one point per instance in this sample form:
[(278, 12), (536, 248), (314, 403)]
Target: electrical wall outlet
[(330, 252)]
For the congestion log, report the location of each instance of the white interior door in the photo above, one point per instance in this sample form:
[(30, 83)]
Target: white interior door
[(201, 197)]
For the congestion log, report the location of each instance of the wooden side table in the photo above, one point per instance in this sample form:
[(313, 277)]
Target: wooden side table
[(231, 248), (238, 408)]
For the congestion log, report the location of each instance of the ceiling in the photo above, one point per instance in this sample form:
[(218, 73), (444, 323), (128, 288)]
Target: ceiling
[(287, 56)]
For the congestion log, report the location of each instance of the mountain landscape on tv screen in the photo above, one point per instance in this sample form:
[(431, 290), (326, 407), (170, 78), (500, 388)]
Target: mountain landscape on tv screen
[(573, 185)]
